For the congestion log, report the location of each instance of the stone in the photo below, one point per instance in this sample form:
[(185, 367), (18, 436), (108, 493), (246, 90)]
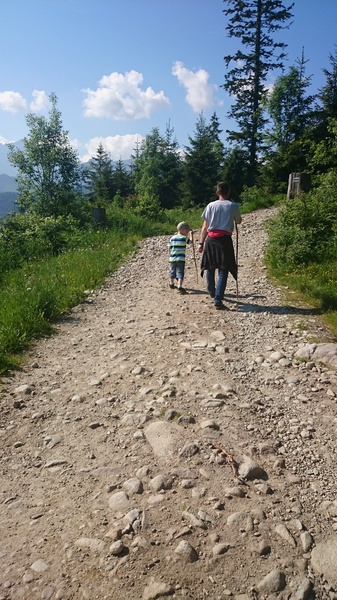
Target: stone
[(157, 589), (220, 548), (163, 438), (93, 544), (284, 533), (324, 560), (241, 520), (133, 486), (250, 470), (119, 502), (189, 450), (117, 548), (186, 551), (39, 566), (272, 583), (161, 482)]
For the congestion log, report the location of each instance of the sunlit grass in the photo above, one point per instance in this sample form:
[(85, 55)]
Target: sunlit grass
[(315, 284), (34, 297)]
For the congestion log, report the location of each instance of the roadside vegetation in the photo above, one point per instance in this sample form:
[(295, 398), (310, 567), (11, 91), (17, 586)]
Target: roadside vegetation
[(76, 224)]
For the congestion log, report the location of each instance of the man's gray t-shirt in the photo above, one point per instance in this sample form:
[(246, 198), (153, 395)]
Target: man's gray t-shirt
[(221, 214)]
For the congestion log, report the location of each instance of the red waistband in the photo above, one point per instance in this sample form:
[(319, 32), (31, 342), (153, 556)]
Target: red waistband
[(215, 233)]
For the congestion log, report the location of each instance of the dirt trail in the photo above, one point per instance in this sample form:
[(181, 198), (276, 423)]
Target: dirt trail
[(112, 486)]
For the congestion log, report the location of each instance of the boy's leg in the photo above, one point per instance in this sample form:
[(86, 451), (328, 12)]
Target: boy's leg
[(180, 275), (172, 275)]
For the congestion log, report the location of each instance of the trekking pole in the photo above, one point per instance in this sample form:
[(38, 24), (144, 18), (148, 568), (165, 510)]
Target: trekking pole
[(237, 260), (194, 257)]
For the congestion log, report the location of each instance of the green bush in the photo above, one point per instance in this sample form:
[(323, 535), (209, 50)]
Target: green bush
[(305, 229), (29, 237)]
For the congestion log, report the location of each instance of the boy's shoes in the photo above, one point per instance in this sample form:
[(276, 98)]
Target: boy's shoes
[(182, 290), (172, 286)]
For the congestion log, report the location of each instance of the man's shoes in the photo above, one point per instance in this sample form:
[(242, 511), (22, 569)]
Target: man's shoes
[(220, 306), (182, 290), (212, 295), (172, 286)]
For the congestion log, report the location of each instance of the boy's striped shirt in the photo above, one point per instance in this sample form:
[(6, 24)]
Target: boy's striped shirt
[(177, 245)]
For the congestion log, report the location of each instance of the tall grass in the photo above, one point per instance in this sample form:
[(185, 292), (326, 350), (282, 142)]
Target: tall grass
[(35, 295)]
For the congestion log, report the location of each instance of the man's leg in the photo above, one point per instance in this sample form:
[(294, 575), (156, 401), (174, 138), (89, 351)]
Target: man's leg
[(210, 281), (220, 287)]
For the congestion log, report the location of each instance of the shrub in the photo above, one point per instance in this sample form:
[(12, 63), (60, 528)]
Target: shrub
[(305, 229)]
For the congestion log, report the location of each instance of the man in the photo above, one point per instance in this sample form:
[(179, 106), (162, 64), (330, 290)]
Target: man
[(216, 243)]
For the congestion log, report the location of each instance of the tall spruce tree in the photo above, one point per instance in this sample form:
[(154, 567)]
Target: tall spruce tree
[(253, 22), (99, 178), (323, 151), (157, 169), (328, 93), (290, 107), (202, 165), (121, 179)]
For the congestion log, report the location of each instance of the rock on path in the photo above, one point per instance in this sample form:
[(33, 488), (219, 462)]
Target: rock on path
[(155, 447)]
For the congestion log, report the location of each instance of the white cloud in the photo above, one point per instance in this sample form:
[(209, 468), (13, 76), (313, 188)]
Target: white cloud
[(40, 102), (3, 140), (12, 102), (118, 146), (120, 97), (200, 93)]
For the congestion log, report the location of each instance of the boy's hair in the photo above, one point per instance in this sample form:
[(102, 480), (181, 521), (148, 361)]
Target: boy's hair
[(183, 225), (223, 188)]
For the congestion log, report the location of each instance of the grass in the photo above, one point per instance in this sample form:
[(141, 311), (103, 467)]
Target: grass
[(315, 284), (34, 296)]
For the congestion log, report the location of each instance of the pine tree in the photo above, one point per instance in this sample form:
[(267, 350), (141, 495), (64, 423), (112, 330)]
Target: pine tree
[(291, 111), (121, 179), (202, 165), (253, 22), (99, 178), (328, 93), (157, 170)]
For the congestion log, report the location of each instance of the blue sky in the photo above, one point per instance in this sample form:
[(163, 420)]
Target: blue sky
[(121, 67)]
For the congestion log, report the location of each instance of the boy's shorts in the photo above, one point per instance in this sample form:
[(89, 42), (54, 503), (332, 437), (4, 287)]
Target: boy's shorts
[(177, 270)]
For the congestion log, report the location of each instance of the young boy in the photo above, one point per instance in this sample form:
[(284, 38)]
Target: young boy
[(177, 252)]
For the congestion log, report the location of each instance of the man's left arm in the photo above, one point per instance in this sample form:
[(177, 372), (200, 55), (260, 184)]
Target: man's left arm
[(203, 236)]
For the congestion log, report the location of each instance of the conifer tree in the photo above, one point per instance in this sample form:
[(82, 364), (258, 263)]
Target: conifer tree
[(328, 93), (121, 179), (99, 178), (157, 169), (254, 23), (202, 165), (291, 110)]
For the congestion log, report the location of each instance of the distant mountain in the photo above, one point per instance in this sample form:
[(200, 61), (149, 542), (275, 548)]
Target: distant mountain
[(7, 184), (7, 203), (5, 166)]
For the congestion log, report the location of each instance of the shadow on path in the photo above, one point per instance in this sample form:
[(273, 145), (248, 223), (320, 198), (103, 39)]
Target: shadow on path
[(242, 306)]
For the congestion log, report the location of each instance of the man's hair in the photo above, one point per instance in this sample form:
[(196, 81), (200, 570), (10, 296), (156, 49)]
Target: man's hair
[(223, 188)]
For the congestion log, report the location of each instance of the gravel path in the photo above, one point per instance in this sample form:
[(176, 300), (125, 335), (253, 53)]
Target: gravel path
[(157, 448)]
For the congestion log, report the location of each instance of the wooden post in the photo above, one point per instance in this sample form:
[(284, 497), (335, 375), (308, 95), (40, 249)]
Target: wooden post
[(298, 182)]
